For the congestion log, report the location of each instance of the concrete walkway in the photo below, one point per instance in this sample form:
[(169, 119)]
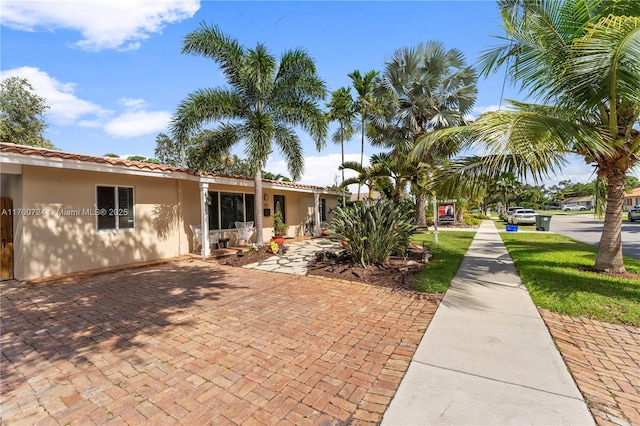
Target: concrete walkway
[(487, 357)]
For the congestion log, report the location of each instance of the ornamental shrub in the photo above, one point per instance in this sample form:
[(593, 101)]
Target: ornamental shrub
[(373, 230)]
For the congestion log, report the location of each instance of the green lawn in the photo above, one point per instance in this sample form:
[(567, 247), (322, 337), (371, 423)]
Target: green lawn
[(447, 256), (549, 266)]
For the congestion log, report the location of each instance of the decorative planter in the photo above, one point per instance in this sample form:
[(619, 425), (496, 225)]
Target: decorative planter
[(278, 239)]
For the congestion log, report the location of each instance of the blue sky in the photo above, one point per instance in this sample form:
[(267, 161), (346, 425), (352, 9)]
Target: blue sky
[(113, 73)]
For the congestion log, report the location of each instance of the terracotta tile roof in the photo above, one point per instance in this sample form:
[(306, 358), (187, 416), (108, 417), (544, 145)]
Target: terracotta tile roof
[(50, 153), (635, 192)]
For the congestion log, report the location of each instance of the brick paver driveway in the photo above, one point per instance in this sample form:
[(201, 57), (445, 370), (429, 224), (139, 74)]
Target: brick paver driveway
[(195, 343)]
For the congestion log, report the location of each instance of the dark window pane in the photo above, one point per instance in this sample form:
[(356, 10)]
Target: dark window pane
[(231, 210), (249, 207), (106, 203), (125, 208), (213, 211)]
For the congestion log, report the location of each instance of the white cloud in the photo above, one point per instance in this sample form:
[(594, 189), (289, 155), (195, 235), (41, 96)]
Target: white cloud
[(319, 170), (65, 107), (138, 123), (479, 110), (104, 24)]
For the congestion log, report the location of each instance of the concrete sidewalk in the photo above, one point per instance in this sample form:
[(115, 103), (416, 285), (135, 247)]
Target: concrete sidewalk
[(487, 356)]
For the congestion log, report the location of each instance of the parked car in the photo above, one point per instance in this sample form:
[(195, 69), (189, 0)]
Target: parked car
[(573, 207), (524, 216), (550, 207), (634, 213), (508, 214)]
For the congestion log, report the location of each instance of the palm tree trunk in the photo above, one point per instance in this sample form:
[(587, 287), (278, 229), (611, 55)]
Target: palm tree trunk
[(609, 257), (257, 207), (421, 217), (344, 198), (362, 156)]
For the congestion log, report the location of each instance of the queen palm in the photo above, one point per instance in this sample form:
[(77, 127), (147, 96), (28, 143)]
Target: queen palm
[(363, 84), (262, 102), (426, 88), (579, 60), (343, 110)]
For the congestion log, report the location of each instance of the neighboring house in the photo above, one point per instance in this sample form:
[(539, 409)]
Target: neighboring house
[(589, 201), (56, 223), (631, 199)]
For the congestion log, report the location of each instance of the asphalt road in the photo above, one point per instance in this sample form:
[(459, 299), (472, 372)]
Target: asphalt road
[(585, 228)]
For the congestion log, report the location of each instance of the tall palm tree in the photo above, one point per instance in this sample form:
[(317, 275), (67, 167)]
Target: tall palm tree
[(578, 59), (427, 88), (263, 100), (343, 110), (363, 84)]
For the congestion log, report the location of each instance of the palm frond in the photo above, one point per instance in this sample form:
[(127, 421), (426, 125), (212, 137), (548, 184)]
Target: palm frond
[(211, 42), (205, 106), (290, 146), (606, 60)]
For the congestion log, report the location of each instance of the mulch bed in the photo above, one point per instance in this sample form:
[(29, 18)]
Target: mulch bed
[(246, 258), (388, 274)]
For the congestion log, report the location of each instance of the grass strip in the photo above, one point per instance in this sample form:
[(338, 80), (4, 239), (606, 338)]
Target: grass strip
[(436, 276), (550, 266)]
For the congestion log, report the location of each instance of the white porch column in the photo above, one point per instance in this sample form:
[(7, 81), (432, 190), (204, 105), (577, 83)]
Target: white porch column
[(204, 219), (316, 197)]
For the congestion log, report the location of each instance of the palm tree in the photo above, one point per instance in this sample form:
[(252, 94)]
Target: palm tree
[(263, 100), (578, 59), (363, 84), (343, 110), (427, 88), (376, 177)]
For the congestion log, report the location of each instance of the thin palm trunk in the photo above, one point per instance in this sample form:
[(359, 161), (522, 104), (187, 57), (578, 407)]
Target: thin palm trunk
[(421, 217), (257, 206), (344, 197), (362, 155), (609, 257)]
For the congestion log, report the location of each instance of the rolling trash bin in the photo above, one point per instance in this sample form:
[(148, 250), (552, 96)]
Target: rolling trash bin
[(543, 222)]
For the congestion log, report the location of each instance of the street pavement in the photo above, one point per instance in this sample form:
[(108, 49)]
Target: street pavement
[(487, 356), (588, 230)]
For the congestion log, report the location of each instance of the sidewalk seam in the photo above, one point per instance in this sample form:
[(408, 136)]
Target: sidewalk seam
[(498, 381)]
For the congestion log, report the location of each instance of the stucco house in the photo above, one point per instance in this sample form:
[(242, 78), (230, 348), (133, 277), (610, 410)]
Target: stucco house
[(631, 199), (64, 212), (588, 201)]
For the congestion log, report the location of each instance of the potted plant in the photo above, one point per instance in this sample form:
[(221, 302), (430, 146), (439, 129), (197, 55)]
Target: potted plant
[(279, 228)]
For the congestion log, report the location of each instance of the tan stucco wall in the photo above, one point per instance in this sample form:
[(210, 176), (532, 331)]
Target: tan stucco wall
[(56, 243)]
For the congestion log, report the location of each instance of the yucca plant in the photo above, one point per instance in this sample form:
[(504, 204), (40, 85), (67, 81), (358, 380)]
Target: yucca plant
[(372, 230)]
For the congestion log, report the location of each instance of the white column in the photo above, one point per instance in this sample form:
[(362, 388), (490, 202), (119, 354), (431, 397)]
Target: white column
[(204, 219), (316, 197)]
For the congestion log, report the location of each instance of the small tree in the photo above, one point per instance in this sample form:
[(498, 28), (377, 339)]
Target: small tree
[(22, 114)]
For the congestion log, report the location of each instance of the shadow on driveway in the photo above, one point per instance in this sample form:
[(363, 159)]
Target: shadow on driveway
[(195, 342)]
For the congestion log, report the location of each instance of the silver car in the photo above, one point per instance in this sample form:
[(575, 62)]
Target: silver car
[(524, 216), (634, 213), (508, 216)]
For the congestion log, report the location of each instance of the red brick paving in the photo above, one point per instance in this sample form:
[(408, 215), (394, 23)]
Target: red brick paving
[(195, 343), (604, 360)]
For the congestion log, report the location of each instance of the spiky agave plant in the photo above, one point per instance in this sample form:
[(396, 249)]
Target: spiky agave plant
[(373, 230)]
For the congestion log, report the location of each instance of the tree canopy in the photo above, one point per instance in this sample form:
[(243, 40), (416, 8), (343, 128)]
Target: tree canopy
[(22, 114)]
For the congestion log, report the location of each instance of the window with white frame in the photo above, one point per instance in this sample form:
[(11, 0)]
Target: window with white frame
[(114, 207), (227, 208)]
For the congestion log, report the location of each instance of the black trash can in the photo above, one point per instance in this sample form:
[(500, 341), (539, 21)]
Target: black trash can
[(543, 222)]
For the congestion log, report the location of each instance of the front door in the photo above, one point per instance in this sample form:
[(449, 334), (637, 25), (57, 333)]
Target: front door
[(278, 206), (6, 231)]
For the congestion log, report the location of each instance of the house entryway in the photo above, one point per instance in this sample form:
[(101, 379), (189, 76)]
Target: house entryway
[(6, 231)]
